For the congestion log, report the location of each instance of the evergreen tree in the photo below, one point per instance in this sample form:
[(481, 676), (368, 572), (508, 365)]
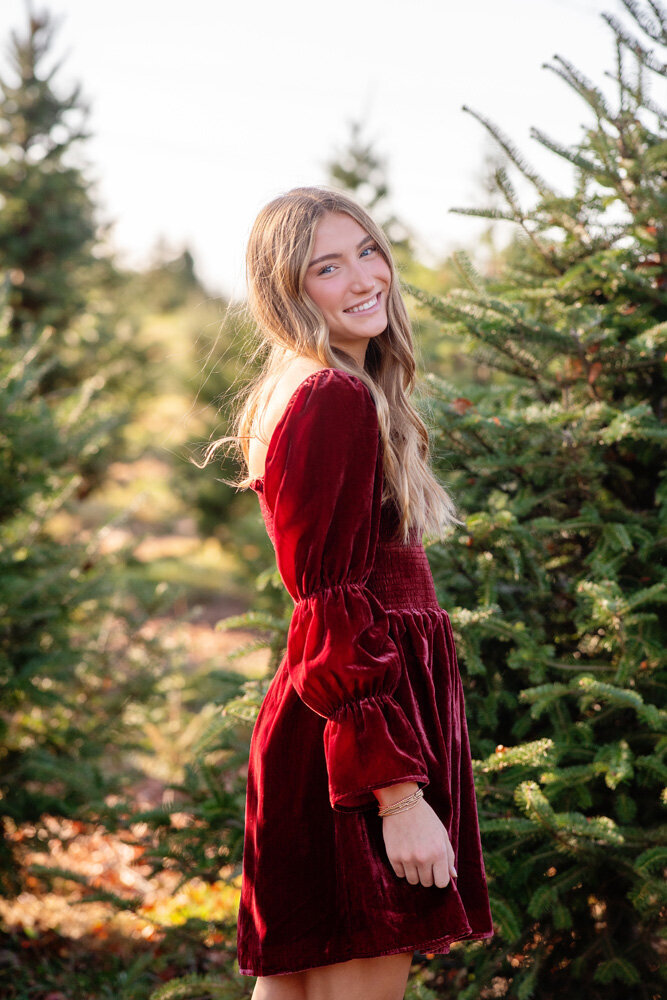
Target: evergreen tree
[(47, 225), (72, 663), (557, 586), (169, 283), (358, 169)]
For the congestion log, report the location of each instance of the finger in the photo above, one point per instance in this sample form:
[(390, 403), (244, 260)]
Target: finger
[(411, 874), (426, 875), (399, 869), (441, 874)]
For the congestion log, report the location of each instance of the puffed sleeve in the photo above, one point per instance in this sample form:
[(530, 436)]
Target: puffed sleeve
[(323, 483)]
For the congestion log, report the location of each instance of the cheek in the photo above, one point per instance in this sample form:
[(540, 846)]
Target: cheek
[(324, 296), (314, 293)]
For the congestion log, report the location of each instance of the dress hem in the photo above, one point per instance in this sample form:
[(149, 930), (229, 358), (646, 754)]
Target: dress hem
[(439, 945)]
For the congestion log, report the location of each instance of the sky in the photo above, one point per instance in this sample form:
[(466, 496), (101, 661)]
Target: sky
[(204, 110)]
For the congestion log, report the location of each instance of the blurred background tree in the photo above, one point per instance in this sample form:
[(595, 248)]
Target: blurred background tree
[(73, 662), (47, 223), (58, 274), (358, 169), (104, 690)]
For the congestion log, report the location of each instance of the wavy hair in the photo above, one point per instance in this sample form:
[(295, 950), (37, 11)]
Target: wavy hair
[(278, 253)]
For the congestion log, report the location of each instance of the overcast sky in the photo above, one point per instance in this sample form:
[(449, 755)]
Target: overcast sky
[(203, 110)]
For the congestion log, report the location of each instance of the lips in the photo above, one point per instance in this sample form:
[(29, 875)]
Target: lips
[(364, 306)]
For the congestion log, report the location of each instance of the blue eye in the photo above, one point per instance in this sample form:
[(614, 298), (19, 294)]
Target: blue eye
[(328, 268)]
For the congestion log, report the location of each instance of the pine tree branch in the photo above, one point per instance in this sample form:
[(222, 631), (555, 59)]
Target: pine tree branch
[(494, 214), (623, 88), (657, 32), (511, 151), (661, 15), (520, 218), (468, 272), (575, 158), (582, 667), (635, 46), (582, 86), (654, 109)]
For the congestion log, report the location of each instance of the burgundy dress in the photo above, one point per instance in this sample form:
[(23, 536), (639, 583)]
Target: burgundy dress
[(368, 694)]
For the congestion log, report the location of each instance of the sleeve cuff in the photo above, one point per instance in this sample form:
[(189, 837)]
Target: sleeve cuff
[(369, 744)]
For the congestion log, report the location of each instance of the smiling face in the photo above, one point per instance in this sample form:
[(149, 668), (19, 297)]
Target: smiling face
[(349, 280)]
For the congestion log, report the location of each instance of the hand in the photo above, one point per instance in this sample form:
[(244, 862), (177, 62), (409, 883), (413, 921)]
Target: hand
[(418, 846)]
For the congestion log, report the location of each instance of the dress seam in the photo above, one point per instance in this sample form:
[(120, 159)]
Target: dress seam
[(334, 586), (380, 695)]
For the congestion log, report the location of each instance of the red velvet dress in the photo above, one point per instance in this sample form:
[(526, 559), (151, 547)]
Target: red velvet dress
[(368, 694)]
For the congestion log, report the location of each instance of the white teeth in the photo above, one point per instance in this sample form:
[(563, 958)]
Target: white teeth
[(364, 307)]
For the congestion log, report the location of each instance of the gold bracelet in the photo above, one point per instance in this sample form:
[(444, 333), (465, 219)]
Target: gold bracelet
[(402, 804)]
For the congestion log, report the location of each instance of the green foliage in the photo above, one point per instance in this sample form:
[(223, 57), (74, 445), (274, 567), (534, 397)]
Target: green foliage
[(418, 991), (358, 169), (212, 786), (169, 283), (47, 225), (54, 273), (212, 793), (70, 663), (196, 987), (557, 586)]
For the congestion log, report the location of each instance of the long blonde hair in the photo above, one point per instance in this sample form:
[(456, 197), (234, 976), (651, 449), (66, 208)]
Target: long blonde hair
[(279, 250)]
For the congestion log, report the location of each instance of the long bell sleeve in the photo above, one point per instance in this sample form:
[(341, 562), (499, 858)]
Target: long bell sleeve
[(323, 483)]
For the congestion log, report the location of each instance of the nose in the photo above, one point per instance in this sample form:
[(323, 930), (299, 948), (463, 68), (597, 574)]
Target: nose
[(362, 280)]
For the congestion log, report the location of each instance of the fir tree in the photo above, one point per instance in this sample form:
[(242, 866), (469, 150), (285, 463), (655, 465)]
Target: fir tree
[(69, 649), (358, 169), (72, 662), (557, 586), (47, 224)]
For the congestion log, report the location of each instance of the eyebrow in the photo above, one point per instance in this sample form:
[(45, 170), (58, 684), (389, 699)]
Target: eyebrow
[(336, 256)]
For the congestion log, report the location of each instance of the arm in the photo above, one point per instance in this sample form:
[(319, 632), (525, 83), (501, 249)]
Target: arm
[(323, 484)]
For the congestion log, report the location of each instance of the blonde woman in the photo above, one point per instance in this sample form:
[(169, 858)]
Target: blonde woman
[(362, 842)]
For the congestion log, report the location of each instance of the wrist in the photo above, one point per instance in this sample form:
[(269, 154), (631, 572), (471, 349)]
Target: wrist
[(392, 793)]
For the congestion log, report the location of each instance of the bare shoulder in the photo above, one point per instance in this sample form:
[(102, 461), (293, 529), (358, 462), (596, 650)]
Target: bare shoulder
[(288, 383), (272, 406)]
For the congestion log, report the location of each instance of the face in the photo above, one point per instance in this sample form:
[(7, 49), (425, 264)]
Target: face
[(349, 280)]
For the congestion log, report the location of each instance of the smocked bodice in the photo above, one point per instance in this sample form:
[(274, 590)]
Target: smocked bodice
[(400, 577)]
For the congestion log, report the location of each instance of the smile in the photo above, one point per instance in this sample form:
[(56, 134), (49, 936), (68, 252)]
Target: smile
[(365, 306)]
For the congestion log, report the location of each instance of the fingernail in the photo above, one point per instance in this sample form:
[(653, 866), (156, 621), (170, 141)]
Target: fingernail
[(456, 874)]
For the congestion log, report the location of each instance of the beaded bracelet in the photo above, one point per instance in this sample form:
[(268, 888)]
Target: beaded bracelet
[(402, 804)]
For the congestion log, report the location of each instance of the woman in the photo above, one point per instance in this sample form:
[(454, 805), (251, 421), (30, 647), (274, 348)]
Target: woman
[(362, 840)]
